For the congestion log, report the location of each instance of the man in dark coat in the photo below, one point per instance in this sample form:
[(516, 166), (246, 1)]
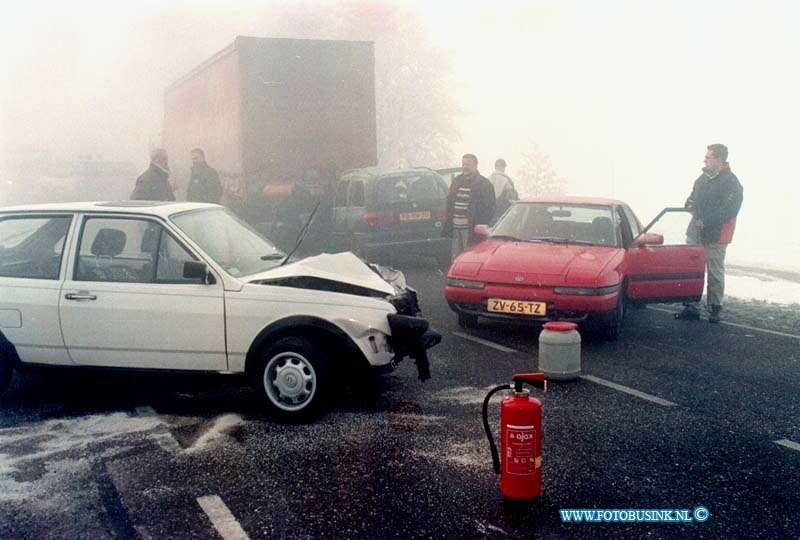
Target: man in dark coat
[(204, 184), (153, 184), (470, 202), (715, 201)]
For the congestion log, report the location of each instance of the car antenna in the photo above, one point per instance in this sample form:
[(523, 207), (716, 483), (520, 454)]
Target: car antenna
[(302, 235)]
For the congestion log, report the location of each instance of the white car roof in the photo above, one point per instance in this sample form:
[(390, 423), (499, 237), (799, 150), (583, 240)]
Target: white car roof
[(161, 209)]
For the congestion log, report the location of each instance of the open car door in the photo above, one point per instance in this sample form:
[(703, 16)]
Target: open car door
[(665, 262)]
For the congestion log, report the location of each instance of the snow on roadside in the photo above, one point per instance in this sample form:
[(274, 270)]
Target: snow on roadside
[(216, 431), (58, 448), (754, 286)]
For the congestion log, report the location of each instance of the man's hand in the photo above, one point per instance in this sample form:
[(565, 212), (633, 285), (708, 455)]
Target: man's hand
[(481, 230), (699, 223)]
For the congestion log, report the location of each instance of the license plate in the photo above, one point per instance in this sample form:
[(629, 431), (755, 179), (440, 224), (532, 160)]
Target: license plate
[(518, 307), (414, 216)]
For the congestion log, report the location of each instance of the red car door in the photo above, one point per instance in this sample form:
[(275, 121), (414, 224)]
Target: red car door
[(664, 262)]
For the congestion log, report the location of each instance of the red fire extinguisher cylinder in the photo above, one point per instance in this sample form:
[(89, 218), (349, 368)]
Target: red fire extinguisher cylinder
[(521, 439)]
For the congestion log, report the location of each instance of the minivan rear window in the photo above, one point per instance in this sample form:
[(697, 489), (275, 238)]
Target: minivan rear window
[(399, 189)]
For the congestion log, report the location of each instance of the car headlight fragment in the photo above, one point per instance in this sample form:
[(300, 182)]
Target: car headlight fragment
[(587, 291), (465, 283)]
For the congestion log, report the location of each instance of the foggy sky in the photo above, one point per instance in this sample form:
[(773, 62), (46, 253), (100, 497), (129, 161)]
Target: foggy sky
[(624, 96)]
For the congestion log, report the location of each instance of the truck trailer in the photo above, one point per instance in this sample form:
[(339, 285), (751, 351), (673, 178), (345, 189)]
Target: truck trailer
[(273, 114)]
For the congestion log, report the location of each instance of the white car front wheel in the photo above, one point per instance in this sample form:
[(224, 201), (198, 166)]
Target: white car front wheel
[(293, 377)]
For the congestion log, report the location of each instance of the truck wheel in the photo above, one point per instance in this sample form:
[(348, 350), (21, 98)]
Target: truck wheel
[(5, 372), (293, 378), (466, 320)]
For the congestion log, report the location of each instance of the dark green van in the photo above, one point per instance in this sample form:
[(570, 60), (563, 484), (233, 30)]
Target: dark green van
[(388, 215)]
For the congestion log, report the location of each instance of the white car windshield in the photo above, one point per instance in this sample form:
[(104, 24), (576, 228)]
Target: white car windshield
[(558, 223), (231, 243)]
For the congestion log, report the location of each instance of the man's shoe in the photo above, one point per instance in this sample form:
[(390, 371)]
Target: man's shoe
[(714, 317), (688, 314)]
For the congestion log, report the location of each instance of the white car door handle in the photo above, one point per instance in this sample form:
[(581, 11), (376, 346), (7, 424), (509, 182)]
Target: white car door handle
[(80, 296)]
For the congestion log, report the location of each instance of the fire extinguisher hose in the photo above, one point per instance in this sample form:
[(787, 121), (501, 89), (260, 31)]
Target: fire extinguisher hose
[(492, 445)]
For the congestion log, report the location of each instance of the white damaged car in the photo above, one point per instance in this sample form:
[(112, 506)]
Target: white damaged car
[(189, 287)]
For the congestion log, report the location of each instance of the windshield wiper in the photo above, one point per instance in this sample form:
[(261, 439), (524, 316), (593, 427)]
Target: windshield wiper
[(272, 256), (506, 237), (302, 235), (515, 239), (554, 240)]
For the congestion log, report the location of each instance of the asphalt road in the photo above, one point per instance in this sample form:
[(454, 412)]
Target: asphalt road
[(99, 456)]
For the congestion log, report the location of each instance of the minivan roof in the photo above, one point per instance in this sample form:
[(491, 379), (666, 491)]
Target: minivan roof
[(376, 171)]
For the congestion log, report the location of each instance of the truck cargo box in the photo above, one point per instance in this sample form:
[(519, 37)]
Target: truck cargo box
[(270, 111)]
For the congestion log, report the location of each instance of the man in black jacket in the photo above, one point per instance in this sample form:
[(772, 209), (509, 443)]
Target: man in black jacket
[(204, 184), (715, 201), (470, 202), (153, 184)]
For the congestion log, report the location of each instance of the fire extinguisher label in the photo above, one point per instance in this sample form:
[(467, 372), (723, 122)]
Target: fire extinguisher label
[(520, 455)]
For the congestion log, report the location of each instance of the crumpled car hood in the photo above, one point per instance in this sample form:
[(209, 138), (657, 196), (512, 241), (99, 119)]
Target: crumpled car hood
[(339, 267)]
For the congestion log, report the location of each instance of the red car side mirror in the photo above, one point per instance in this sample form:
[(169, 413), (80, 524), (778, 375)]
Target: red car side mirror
[(648, 239)]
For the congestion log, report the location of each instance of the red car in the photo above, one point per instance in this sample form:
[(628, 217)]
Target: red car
[(576, 259)]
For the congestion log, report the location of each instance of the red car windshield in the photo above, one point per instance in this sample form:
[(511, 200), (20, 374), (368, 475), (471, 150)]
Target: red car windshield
[(558, 223)]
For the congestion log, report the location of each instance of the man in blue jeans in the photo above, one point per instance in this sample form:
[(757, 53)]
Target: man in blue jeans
[(715, 202)]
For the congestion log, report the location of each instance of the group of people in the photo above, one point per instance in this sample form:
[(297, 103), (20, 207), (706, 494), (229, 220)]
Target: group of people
[(154, 185), (475, 201)]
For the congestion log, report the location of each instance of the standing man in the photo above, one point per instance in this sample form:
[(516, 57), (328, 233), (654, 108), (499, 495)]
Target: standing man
[(470, 202), (204, 184), (153, 184), (715, 201), (504, 189)]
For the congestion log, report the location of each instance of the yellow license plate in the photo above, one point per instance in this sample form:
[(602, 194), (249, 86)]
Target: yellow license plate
[(517, 307), (414, 216)]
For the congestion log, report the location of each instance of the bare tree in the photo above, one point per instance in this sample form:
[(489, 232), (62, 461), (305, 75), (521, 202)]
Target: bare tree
[(415, 106), (537, 174)]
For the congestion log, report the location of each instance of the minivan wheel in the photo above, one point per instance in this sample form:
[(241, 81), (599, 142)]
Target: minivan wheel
[(293, 379), (444, 258)]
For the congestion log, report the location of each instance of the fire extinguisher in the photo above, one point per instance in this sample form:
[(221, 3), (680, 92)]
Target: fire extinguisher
[(521, 438)]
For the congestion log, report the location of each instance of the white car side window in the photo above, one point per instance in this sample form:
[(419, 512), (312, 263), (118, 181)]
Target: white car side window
[(130, 250), (171, 258), (32, 247)]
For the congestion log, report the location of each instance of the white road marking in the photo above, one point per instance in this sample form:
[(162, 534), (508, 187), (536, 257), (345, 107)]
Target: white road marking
[(221, 518), (788, 444), (484, 528), (167, 442), (630, 391), (164, 439), (484, 342), (737, 325), (147, 410)]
